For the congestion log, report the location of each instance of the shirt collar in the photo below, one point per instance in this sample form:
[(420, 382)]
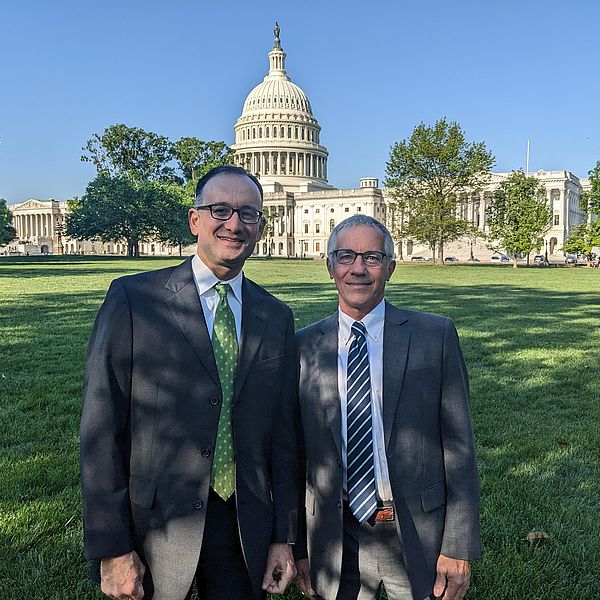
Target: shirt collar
[(373, 323), (206, 280)]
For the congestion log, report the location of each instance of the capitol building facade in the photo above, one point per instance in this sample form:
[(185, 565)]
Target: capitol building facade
[(278, 139)]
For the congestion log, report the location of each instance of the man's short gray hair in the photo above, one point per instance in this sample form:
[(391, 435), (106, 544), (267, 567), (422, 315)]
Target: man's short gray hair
[(355, 221)]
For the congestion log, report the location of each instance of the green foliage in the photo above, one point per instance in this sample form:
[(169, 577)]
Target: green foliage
[(144, 188), (7, 232), (590, 200), (535, 405), (122, 208), (519, 215), (131, 151), (194, 157), (427, 174), (583, 238)]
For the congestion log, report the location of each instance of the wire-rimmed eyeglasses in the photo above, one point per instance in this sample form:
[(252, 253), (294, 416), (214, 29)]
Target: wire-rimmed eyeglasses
[(224, 212), (371, 258)]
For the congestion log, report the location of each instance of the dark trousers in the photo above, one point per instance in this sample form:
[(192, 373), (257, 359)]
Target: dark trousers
[(372, 558), (222, 572)]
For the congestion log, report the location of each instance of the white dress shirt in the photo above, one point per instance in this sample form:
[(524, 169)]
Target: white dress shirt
[(205, 281), (373, 323)]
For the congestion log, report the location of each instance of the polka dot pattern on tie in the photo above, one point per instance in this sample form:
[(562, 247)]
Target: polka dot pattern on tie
[(225, 348)]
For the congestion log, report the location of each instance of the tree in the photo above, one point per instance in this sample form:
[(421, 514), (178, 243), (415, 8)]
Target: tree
[(271, 216), (427, 175), (590, 200), (472, 235), (519, 215), (194, 157), (131, 151), (170, 207), (7, 232), (583, 238), (122, 208)]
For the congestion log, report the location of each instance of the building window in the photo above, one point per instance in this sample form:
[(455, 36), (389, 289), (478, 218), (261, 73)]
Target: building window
[(317, 227), (305, 227), (266, 131), (318, 211), (347, 209), (331, 225), (557, 219), (359, 209), (331, 210), (317, 246), (306, 211)]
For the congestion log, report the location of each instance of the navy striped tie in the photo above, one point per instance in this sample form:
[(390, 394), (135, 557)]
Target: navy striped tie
[(359, 449)]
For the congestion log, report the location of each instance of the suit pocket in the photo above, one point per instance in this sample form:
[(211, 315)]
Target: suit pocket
[(433, 496), (142, 491), (309, 502), (265, 364)]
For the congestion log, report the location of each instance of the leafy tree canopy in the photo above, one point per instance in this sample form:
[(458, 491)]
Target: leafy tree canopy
[(130, 151), (590, 200), (583, 239), (194, 157), (7, 232), (519, 215), (122, 208), (427, 175)]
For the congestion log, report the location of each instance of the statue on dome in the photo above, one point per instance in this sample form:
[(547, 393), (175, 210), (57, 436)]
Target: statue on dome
[(276, 32)]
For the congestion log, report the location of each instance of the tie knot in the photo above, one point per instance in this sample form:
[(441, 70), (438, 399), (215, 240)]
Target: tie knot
[(358, 329), (222, 289)]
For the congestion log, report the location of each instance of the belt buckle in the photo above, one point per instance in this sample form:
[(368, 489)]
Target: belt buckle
[(386, 513)]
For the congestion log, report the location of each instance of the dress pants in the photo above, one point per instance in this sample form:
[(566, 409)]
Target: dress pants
[(372, 558), (222, 572)]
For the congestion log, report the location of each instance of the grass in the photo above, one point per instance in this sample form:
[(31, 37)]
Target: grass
[(532, 344)]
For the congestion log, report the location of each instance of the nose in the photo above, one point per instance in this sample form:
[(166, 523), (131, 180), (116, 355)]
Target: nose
[(234, 223), (358, 266)]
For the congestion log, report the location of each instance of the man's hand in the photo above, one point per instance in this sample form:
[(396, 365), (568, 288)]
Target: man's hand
[(453, 577), (121, 577), (280, 569), (303, 580)]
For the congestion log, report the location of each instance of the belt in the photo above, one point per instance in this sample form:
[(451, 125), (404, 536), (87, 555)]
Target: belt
[(385, 511)]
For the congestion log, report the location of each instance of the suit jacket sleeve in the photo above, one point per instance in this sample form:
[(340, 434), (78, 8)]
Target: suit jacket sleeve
[(104, 431), (285, 440), (461, 531)]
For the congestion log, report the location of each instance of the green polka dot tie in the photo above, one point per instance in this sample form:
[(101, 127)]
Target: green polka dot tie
[(225, 347)]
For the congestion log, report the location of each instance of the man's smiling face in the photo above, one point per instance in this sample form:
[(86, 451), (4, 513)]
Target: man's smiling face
[(224, 246), (360, 288)]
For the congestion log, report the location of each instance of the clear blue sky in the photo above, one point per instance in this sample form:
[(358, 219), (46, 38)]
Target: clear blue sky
[(506, 70)]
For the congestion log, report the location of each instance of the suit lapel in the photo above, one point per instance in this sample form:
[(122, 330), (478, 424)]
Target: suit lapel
[(184, 304), (327, 353), (254, 320), (396, 338)]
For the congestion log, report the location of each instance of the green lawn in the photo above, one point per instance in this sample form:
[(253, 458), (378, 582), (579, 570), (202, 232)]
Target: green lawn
[(532, 344)]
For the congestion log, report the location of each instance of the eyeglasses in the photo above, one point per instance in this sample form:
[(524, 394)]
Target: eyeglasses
[(371, 258), (223, 212)]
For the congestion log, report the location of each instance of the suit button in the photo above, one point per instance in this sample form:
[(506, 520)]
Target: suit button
[(198, 504), (214, 401), (205, 452)]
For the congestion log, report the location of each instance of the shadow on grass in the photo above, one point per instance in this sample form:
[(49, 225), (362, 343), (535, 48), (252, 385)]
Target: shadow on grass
[(533, 357)]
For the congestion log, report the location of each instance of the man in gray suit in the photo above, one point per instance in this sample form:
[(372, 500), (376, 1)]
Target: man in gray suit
[(392, 490), (188, 431)]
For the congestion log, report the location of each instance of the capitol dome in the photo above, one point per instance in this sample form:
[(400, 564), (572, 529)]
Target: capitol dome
[(277, 138)]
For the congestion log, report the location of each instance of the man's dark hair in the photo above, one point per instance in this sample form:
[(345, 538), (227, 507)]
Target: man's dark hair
[(227, 170)]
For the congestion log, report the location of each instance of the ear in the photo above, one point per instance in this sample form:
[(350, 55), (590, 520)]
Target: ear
[(390, 269), (261, 228), (329, 268), (193, 221)]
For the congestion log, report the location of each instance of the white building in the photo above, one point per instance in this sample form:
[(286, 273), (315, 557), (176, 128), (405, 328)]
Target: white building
[(278, 138)]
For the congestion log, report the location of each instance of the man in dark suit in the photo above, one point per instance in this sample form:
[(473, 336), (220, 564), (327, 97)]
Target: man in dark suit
[(188, 430), (392, 490)]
